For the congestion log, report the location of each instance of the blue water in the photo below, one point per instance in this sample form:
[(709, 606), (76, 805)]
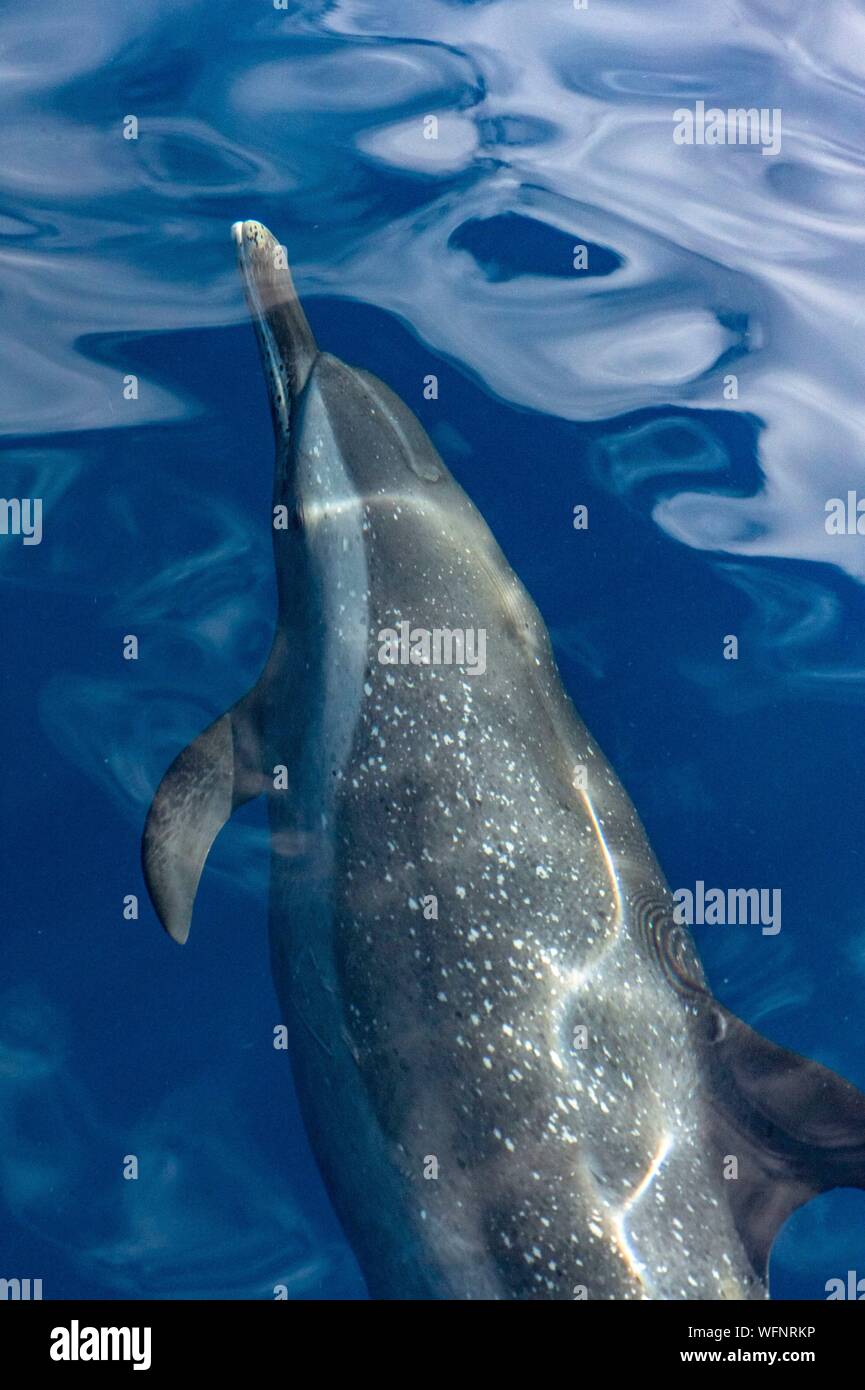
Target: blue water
[(557, 387)]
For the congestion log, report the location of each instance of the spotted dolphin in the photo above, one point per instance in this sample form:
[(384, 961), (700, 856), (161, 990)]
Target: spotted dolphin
[(514, 1077)]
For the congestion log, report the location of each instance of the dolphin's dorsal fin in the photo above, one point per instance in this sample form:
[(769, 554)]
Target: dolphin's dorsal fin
[(795, 1128), (214, 775)]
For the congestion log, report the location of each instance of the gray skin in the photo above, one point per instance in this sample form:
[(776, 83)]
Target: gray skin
[(514, 1078)]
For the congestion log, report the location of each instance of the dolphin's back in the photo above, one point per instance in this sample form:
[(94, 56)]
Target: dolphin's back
[(526, 1070)]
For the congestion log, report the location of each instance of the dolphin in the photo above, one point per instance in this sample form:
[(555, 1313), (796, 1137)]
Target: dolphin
[(514, 1077)]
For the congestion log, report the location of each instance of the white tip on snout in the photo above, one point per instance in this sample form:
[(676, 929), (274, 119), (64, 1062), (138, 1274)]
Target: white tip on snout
[(237, 232)]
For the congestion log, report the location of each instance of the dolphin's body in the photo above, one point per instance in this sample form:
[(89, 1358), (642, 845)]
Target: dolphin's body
[(514, 1078)]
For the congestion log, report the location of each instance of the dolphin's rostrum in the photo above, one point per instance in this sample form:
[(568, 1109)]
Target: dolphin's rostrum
[(515, 1080)]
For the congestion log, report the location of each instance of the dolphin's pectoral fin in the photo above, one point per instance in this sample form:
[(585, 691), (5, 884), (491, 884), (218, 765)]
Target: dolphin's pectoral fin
[(204, 785), (795, 1128)]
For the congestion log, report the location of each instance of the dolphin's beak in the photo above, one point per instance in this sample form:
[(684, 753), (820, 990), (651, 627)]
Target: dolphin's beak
[(288, 348)]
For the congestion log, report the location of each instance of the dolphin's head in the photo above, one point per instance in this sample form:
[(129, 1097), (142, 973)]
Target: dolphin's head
[(288, 348), (341, 434), (370, 514)]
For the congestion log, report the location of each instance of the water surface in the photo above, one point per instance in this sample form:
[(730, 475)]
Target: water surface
[(606, 386)]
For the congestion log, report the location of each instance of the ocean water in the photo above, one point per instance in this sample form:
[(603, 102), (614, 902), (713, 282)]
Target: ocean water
[(698, 386)]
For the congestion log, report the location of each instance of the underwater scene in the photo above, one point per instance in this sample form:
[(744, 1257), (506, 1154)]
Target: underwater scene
[(530, 860)]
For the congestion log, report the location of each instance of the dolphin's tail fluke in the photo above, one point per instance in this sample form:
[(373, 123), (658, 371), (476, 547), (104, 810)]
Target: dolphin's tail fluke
[(204, 785), (288, 348), (785, 1129)]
